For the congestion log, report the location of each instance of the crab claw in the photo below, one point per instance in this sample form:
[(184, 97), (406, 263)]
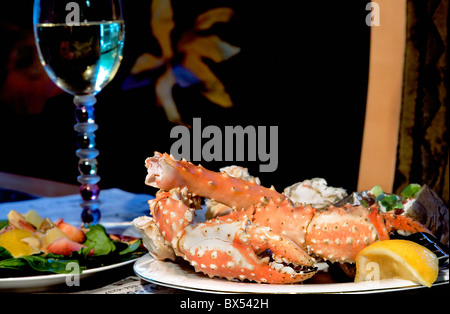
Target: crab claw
[(242, 250), (283, 260)]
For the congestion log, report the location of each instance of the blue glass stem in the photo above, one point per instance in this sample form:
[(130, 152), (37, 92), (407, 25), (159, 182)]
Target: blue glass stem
[(87, 165)]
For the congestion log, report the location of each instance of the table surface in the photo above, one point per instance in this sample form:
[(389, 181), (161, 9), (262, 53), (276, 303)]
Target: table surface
[(57, 200)]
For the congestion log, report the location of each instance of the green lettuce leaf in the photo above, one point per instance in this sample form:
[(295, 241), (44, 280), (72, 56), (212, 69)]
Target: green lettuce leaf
[(97, 239), (39, 263)]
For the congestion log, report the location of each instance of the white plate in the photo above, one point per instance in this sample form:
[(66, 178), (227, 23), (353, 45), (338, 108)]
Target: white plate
[(180, 276), (46, 282)]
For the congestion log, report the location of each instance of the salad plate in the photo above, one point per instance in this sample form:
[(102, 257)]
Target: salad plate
[(46, 282), (181, 276), (37, 282)]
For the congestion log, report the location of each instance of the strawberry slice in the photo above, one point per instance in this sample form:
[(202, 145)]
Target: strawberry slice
[(65, 246), (72, 232)]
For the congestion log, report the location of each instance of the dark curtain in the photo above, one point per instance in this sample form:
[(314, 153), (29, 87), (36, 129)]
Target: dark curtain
[(423, 150)]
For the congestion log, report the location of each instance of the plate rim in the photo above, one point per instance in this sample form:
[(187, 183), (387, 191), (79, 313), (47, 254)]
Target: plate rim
[(389, 285), (14, 282)]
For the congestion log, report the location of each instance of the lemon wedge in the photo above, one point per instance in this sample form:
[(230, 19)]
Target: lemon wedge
[(399, 259)]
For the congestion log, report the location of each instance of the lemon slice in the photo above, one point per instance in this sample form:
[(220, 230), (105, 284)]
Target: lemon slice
[(400, 259)]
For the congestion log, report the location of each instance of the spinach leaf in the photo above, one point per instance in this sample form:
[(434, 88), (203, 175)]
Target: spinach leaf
[(131, 248), (3, 223), (12, 263), (4, 253), (97, 239), (39, 263), (43, 264)]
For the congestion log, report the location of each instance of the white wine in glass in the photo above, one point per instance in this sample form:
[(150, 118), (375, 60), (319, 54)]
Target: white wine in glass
[(80, 45)]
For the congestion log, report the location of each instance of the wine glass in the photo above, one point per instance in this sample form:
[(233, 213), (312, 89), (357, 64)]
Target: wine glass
[(80, 45)]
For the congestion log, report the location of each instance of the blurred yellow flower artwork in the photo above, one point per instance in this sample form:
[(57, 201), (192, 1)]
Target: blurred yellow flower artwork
[(193, 47)]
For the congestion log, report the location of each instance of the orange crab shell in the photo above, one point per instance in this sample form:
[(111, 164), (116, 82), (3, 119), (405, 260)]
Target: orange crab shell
[(339, 234), (285, 218), (236, 255)]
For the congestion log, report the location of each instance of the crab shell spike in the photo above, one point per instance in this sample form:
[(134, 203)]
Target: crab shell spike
[(166, 173), (238, 215)]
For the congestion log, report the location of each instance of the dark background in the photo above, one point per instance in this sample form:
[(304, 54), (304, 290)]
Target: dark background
[(303, 66)]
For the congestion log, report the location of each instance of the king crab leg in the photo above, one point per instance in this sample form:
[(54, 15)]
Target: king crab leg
[(165, 172)]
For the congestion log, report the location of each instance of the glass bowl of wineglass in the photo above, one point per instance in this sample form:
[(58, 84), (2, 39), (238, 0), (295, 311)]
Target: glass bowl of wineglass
[(80, 44)]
